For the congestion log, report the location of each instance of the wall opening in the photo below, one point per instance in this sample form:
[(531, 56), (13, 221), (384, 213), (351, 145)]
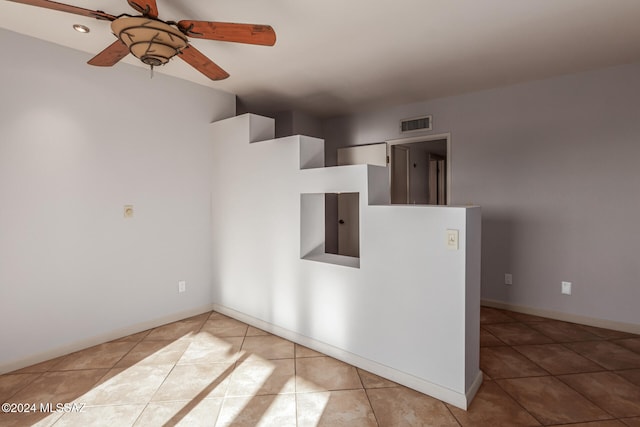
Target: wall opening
[(317, 241), (420, 170)]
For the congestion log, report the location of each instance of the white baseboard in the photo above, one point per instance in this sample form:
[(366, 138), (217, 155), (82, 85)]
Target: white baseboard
[(475, 386), (460, 400), (566, 317), (99, 339)]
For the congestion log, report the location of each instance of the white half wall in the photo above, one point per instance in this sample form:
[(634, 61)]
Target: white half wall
[(77, 143), (409, 311), (554, 165)]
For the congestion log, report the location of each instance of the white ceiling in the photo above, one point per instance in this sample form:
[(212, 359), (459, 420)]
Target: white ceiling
[(340, 56)]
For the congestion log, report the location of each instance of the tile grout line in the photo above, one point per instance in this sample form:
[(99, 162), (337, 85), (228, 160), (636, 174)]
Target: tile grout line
[(517, 401), (168, 373), (452, 414), (563, 344), (366, 393), (295, 381)]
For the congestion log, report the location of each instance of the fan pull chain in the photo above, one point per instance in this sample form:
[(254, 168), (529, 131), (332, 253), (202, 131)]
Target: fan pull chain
[(151, 72)]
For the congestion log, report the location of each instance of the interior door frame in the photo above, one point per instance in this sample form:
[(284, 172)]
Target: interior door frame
[(407, 177), (424, 138)]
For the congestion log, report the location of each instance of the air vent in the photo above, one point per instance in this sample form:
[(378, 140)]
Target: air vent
[(418, 123)]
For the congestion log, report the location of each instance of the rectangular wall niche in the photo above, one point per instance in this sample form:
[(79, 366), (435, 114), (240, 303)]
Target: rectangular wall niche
[(330, 228)]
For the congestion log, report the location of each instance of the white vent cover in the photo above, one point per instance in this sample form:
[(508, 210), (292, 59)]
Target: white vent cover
[(417, 123)]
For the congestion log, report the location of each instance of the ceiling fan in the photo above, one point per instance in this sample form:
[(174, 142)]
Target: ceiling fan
[(155, 41)]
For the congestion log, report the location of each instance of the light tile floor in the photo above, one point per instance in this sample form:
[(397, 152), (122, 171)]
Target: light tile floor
[(211, 370)]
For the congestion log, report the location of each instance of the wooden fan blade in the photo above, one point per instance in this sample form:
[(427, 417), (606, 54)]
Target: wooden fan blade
[(200, 62), (229, 32), (145, 7), (111, 55), (98, 14)]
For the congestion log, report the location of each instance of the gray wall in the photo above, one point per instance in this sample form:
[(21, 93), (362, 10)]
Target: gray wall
[(419, 174), (554, 165), (297, 123), (76, 144)]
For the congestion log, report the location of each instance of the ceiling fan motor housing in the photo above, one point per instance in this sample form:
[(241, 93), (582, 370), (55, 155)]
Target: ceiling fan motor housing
[(152, 41)]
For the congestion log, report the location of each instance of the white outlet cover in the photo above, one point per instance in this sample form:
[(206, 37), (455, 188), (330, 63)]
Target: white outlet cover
[(508, 279), (566, 288), (182, 286)]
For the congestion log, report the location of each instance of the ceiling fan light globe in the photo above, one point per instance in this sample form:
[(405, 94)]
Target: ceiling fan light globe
[(153, 42)]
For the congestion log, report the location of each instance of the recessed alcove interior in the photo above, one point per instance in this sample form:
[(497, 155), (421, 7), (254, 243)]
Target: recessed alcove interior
[(313, 231)]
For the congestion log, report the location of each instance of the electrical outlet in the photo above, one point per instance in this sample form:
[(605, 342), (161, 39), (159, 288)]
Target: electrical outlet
[(182, 286), (508, 279), (566, 288)]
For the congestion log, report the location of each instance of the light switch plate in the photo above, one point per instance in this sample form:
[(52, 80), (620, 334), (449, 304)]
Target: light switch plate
[(452, 239), (566, 288)]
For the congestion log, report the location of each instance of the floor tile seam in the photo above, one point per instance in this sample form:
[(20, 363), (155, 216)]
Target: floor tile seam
[(215, 422), (62, 359), (540, 422), (81, 370), (517, 335), (564, 341), (93, 386), (295, 381), (228, 336), (23, 386), (627, 348), (384, 387), (233, 370), (446, 405), (326, 390), (231, 360), (312, 357), (373, 411), (229, 398), (108, 405), (182, 338), (523, 377), (566, 345), (586, 397), (527, 376), (221, 398), (602, 368), (588, 400), (201, 326), (359, 376), (617, 372), (122, 339), (124, 355), (275, 358), (153, 402), (500, 323), (256, 394), (525, 356), (586, 356), (162, 382), (494, 336), (140, 414)]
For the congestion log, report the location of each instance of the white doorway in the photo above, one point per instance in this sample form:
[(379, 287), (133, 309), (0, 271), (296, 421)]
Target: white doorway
[(428, 170), (400, 178), (348, 224)]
